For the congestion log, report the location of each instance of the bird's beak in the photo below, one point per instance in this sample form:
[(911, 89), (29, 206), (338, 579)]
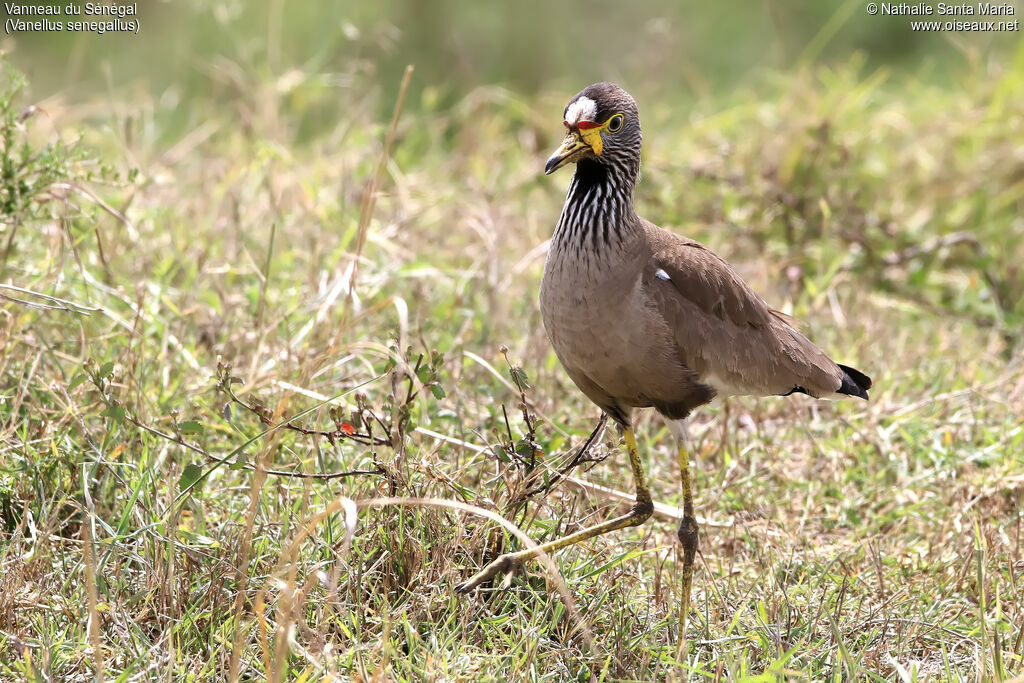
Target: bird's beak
[(572, 149)]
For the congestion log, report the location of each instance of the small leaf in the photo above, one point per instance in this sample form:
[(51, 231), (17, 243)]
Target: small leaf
[(190, 427), (114, 412), (106, 369), (239, 462), (77, 380), (520, 377), (424, 372), (526, 448), (190, 476), (437, 390)]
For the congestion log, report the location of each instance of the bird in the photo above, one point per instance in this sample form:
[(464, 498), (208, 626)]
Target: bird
[(641, 317)]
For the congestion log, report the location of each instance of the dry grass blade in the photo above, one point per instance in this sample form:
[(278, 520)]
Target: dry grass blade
[(242, 571), (95, 622), (370, 195), (242, 565)]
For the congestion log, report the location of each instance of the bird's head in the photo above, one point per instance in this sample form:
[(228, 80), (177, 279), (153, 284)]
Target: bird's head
[(603, 125)]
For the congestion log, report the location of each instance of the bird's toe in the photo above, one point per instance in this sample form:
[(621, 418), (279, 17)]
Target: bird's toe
[(506, 564)]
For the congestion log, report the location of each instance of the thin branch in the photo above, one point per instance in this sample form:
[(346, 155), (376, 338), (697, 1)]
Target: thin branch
[(342, 432), (56, 305), (580, 458), (178, 439)]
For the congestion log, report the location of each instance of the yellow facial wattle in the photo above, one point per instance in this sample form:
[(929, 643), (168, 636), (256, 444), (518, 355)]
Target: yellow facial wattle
[(587, 135), (592, 136)]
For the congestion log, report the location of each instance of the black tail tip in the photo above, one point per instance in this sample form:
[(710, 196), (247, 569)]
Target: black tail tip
[(855, 382)]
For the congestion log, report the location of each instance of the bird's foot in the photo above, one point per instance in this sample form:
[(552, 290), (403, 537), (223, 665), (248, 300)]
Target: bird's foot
[(506, 564)]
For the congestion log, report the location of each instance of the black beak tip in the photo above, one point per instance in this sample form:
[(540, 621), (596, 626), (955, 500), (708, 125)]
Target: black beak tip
[(552, 164)]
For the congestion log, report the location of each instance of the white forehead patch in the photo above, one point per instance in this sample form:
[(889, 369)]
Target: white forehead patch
[(583, 109)]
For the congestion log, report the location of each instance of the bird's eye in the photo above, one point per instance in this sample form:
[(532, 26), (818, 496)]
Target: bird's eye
[(614, 124)]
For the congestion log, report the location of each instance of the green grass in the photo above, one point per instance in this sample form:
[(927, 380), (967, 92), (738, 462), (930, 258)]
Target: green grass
[(850, 541)]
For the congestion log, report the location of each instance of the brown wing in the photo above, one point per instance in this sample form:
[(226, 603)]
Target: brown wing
[(726, 331)]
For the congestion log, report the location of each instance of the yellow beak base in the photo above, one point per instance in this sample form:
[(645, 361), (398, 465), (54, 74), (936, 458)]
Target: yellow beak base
[(576, 143), (572, 149)]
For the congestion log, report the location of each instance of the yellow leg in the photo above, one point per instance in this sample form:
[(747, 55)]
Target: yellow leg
[(641, 510), (688, 537)]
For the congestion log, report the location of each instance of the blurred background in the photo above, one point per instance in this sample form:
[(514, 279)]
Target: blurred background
[(677, 50)]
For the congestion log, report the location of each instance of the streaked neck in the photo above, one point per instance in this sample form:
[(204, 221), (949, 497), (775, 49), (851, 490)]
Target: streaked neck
[(598, 214)]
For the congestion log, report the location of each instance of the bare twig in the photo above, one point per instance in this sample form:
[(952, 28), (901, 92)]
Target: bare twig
[(56, 304), (178, 439), (931, 246), (581, 457), (343, 431), (274, 426), (133, 234)]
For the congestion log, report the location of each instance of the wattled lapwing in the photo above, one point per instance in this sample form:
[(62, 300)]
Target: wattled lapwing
[(642, 317)]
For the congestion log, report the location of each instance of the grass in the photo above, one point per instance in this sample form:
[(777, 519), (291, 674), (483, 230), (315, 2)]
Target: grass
[(165, 516)]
